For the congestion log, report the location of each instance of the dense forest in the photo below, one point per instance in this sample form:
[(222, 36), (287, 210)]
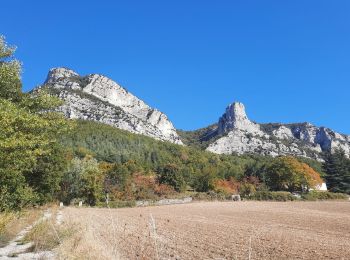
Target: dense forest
[(45, 157)]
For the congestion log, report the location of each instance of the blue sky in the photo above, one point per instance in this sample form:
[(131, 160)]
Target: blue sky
[(287, 61)]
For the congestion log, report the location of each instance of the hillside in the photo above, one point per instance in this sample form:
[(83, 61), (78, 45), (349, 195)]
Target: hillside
[(111, 144), (114, 145)]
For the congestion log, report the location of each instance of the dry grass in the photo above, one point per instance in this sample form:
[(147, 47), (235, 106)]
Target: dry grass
[(212, 230), (12, 223), (45, 236), (83, 244)]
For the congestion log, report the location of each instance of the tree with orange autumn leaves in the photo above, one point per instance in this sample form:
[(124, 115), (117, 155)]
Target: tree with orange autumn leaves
[(288, 174), (247, 186)]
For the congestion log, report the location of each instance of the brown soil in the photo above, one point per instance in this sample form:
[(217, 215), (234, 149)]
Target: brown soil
[(222, 230)]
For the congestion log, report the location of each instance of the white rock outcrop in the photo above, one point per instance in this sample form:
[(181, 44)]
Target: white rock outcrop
[(239, 135), (235, 118), (98, 98)]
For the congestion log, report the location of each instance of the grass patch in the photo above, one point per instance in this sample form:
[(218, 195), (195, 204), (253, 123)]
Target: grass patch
[(45, 236), (85, 243)]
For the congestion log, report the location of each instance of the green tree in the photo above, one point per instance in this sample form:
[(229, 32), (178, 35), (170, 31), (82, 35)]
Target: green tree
[(27, 136), (46, 176), (10, 73), (337, 168), (23, 140), (204, 180), (117, 177), (71, 183), (92, 181), (170, 174), (83, 180)]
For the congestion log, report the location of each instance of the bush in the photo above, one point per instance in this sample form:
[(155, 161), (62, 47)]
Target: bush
[(247, 189), (209, 196), (226, 187), (273, 195), (319, 195)]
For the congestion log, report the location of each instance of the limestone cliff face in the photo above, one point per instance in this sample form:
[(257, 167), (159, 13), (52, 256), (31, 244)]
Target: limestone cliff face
[(235, 118), (240, 135), (98, 98)]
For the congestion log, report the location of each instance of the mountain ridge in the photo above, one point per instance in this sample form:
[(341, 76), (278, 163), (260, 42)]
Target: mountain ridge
[(98, 98), (298, 139)]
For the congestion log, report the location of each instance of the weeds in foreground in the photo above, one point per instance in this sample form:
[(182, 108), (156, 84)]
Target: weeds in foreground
[(11, 223), (5, 220), (86, 241), (45, 236)]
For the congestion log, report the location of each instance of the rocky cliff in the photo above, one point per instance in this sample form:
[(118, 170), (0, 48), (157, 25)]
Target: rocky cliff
[(237, 134), (98, 98)]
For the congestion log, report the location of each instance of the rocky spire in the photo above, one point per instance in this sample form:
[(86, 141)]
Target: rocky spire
[(235, 117)]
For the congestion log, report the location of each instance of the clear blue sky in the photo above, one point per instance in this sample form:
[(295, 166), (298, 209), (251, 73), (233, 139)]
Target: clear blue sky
[(287, 61)]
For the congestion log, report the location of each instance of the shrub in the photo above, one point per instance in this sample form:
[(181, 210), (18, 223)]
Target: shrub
[(209, 196), (226, 187), (164, 190), (320, 195), (273, 195), (143, 186), (247, 189)]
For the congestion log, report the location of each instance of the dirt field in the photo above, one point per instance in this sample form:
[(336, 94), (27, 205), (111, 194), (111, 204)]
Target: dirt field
[(221, 230)]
